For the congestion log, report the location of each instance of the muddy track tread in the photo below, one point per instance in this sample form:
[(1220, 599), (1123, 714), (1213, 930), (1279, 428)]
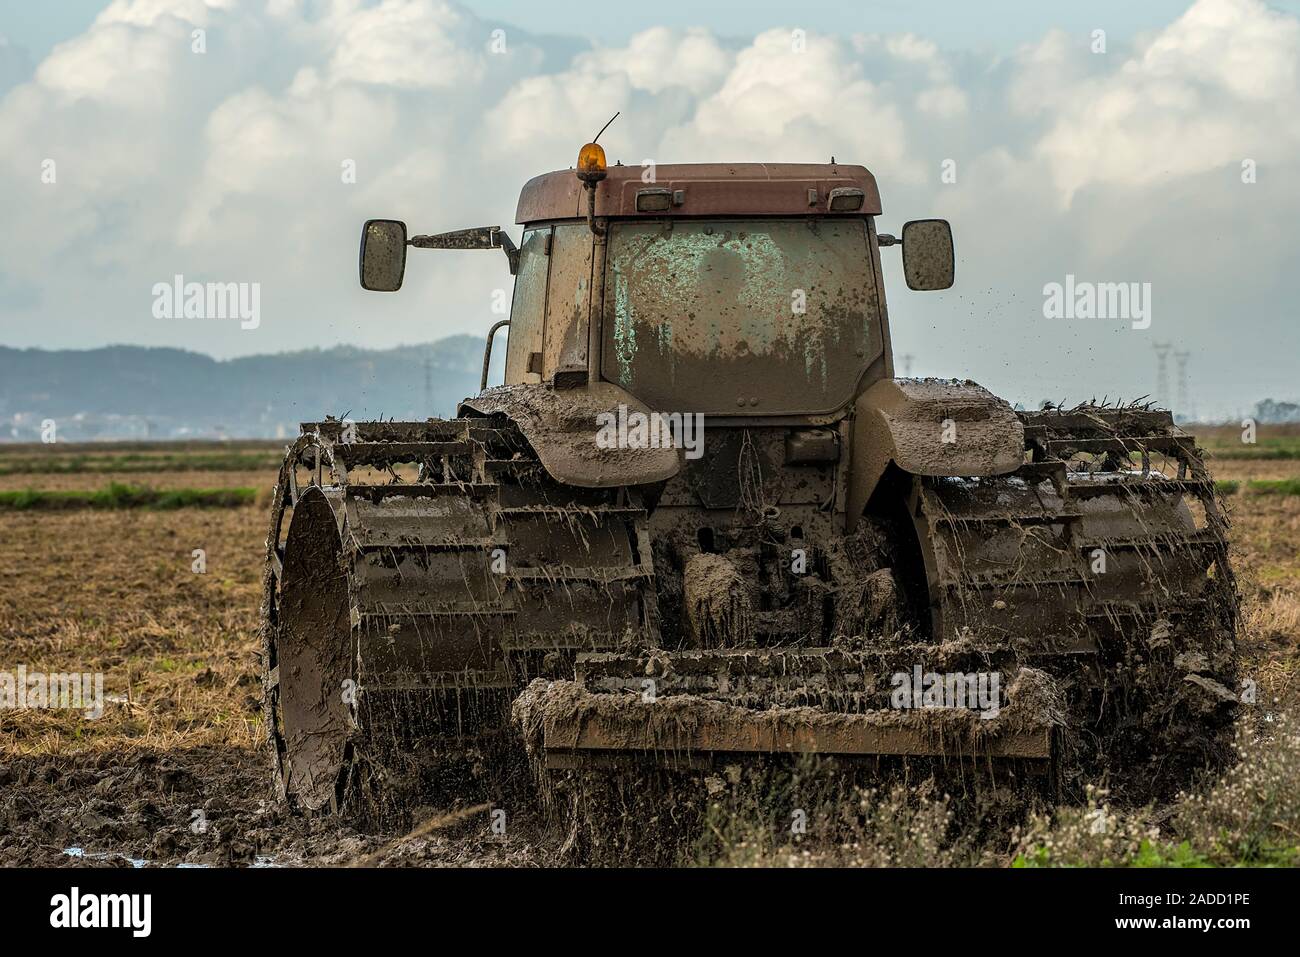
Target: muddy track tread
[(418, 554), (1116, 562), (1072, 548)]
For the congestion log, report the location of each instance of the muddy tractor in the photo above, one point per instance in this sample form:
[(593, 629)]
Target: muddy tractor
[(703, 522)]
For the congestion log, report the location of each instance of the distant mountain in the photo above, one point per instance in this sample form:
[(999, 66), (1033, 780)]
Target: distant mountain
[(123, 392)]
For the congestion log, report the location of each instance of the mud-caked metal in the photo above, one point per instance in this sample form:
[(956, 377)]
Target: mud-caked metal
[(703, 520)]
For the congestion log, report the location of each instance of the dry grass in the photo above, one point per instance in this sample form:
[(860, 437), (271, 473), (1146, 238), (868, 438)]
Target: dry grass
[(1250, 817), (1244, 470), (899, 826), (114, 592), (1265, 544)]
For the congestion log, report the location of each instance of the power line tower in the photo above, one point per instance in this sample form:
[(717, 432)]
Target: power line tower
[(1162, 372), (1185, 409), (428, 385), (906, 359)]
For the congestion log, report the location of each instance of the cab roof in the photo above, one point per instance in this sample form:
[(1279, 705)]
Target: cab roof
[(706, 189)]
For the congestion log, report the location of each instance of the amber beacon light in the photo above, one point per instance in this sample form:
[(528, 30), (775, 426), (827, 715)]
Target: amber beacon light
[(591, 163)]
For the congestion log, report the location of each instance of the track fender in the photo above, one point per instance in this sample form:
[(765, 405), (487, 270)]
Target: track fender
[(930, 427), (564, 425)]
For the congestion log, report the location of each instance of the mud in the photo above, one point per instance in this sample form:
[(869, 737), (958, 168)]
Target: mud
[(664, 814), (631, 723), (562, 425), (717, 602), (212, 807)]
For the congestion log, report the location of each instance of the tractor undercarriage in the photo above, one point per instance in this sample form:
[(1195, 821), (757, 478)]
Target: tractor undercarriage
[(1075, 615)]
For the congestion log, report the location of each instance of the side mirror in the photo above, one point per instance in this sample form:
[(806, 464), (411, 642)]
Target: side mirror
[(927, 254), (383, 255)]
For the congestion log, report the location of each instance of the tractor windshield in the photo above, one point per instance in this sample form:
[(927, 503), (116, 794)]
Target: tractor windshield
[(740, 317)]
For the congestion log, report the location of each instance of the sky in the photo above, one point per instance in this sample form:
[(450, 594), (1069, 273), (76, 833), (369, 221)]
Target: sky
[(1108, 142)]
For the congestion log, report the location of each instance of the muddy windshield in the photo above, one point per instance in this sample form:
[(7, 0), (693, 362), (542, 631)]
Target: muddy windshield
[(742, 316)]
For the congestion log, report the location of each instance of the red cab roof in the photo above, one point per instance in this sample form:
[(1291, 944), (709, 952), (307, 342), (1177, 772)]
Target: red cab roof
[(707, 189)]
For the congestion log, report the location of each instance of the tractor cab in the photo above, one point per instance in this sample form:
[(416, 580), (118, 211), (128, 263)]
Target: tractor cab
[(686, 285)]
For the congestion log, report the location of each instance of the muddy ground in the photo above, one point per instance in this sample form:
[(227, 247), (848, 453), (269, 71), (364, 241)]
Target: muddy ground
[(175, 772), (209, 806)]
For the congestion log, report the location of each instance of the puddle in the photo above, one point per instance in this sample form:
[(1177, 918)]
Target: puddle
[(259, 861)]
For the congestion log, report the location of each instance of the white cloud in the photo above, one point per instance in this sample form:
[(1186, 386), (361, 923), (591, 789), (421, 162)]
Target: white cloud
[(1216, 86), (408, 44), (659, 58), (813, 101)]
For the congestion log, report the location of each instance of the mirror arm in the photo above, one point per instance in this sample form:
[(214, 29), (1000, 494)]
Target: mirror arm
[(466, 239), (885, 239), (487, 352), (427, 242), (502, 239)]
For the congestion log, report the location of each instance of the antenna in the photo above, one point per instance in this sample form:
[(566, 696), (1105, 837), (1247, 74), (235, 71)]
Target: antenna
[(606, 126)]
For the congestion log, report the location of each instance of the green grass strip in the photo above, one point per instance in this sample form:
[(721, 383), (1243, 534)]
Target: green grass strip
[(128, 496), (79, 464), (1287, 486)]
